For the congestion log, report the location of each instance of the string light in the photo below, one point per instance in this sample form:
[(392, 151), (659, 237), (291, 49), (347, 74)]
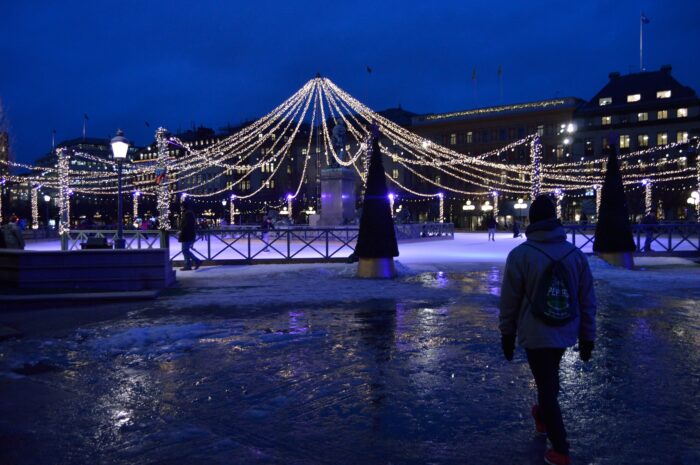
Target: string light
[(163, 199), (442, 207), (35, 207), (647, 196), (136, 196), (559, 195), (536, 155), (63, 191)]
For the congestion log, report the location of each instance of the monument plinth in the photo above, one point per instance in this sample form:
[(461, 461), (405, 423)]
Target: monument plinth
[(337, 196)]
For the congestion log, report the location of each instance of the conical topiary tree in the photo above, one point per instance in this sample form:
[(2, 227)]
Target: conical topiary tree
[(613, 233), (376, 243)]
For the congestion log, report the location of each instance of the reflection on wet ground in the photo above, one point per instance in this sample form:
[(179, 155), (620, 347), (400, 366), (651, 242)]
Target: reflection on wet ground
[(386, 381)]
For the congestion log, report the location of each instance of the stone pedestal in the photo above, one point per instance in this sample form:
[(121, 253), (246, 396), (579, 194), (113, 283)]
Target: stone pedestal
[(337, 197)]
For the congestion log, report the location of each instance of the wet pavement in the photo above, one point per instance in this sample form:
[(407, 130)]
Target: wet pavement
[(380, 381)]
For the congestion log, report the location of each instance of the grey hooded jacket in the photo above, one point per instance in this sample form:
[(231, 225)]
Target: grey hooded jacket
[(524, 268)]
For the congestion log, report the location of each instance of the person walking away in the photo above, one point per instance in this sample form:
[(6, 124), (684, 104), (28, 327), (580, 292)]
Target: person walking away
[(548, 302), (12, 235), (265, 227), (649, 221), (188, 234), (491, 226)]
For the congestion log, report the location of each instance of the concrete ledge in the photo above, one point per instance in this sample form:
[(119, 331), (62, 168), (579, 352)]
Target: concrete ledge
[(97, 270)]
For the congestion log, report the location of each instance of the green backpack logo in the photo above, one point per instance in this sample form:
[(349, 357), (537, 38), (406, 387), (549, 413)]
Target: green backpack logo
[(555, 300)]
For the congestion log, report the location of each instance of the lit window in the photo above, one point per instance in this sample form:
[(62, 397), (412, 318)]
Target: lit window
[(470, 137), (682, 113), (540, 130), (272, 184), (606, 120), (681, 136), (634, 98), (304, 151), (643, 116), (661, 138), (643, 140), (662, 114), (624, 141), (453, 139), (395, 173), (604, 101), (663, 94), (289, 169), (437, 179)]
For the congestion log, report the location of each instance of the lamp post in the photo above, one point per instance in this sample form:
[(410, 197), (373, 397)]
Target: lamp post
[(469, 207), (520, 206), (120, 148), (47, 199), (694, 200)]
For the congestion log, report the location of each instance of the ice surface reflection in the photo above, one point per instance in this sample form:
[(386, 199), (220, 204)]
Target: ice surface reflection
[(376, 381)]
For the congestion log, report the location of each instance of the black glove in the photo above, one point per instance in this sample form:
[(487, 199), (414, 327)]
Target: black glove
[(585, 348), (508, 345)]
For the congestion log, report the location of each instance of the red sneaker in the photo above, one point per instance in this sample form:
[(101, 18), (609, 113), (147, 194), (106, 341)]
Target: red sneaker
[(540, 427), (553, 457)]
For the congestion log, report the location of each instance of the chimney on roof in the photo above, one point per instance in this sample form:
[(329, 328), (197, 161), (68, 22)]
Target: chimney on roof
[(666, 69), (614, 75)]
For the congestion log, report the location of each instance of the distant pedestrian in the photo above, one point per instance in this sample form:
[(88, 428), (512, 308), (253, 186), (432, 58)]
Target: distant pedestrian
[(12, 235), (188, 234), (649, 221), (548, 302), (265, 227), (584, 218), (516, 229), (491, 226)]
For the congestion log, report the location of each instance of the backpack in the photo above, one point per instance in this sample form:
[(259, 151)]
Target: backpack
[(555, 301)]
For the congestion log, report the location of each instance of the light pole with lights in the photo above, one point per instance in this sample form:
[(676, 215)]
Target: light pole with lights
[(120, 148), (47, 199)]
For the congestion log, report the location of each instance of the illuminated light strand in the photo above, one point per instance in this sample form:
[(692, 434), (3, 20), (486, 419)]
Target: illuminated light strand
[(163, 198), (536, 160), (135, 196), (63, 191), (647, 196), (249, 172), (35, 206)]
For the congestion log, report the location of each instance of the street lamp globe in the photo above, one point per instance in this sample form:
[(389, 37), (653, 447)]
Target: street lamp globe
[(47, 198), (120, 146)]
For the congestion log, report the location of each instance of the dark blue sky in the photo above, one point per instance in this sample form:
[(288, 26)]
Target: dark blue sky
[(177, 63)]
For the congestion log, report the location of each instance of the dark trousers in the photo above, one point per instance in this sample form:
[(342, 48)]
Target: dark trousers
[(544, 364), (188, 255)]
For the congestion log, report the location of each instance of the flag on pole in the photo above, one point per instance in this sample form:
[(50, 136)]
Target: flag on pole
[(644, 18), (500, 70), (85, 116), (369, 70), (147, 125), (474, 74)]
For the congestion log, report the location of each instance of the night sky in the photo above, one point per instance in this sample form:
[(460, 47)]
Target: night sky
[(184, 63)]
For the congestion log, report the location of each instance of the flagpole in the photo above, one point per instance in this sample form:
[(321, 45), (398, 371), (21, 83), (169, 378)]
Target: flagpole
[(641, 29)]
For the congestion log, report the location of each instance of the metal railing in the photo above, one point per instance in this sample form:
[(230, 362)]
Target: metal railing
[(135, 239), (668, 238), (247, 245)]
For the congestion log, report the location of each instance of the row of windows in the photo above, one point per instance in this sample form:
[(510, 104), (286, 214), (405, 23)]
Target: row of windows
[(493, 135), (631, 98), (644, 116), (643, 139)]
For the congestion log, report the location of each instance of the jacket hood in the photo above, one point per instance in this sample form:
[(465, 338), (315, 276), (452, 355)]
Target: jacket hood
[(549, 230)]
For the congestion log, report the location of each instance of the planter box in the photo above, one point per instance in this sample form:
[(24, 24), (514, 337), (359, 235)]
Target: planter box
[(97, 270)]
